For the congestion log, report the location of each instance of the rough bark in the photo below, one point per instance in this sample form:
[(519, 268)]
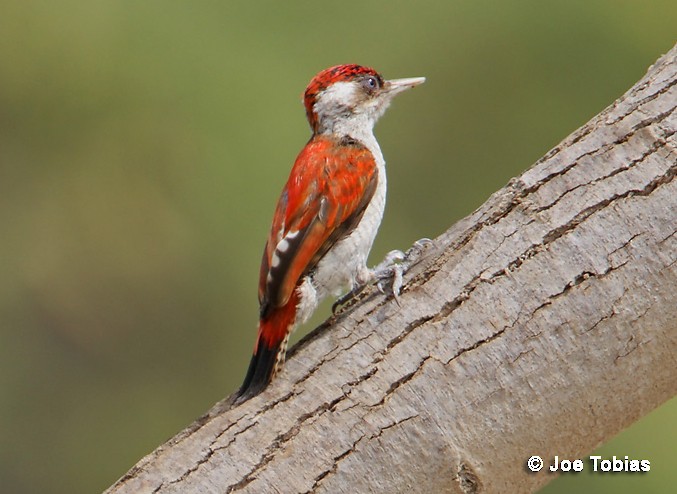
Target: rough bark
[(542, 324)]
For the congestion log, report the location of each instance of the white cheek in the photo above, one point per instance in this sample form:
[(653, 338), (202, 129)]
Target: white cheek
[(336, 99)]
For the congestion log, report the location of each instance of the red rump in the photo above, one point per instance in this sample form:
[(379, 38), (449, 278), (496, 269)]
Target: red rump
[(274, 328)]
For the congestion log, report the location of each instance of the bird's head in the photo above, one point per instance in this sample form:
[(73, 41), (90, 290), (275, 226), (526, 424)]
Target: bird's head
[(350, 96)]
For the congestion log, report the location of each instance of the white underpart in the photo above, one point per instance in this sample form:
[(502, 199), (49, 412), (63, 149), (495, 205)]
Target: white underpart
[(344, 266)]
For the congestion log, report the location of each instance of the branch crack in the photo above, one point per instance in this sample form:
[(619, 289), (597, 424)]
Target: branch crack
[(340, 457)]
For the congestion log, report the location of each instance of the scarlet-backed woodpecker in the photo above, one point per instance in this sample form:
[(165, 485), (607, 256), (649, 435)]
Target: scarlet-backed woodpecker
[(328, 213)]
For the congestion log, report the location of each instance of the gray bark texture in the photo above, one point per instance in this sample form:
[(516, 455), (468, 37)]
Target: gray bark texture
[(542, 324)]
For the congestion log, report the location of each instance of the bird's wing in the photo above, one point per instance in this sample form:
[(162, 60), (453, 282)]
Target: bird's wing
[(326, 194)]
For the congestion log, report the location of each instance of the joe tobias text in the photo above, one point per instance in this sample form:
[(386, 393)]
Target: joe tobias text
[(598, 464)]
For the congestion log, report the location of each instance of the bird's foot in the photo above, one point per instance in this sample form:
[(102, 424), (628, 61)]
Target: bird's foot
[(388, 274)]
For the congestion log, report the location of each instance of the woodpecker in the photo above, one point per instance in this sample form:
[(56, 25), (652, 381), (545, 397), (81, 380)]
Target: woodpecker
[(328, 213)]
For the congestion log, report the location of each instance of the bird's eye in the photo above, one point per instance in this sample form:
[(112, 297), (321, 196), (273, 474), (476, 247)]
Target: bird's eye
[(371, 83)]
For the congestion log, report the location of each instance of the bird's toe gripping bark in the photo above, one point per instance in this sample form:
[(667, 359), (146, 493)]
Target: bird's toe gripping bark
[(388, 274)]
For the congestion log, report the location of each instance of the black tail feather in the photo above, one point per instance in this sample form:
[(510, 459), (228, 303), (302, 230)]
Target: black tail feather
[(260, 372)]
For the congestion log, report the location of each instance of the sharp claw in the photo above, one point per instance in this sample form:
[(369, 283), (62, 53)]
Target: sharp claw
[(344, 299), (341, 301), (335, 306), (414, 252), (397, 283), (423, 242)]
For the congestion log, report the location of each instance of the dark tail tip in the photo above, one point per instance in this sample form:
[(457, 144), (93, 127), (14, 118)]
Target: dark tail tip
[(260, 372)]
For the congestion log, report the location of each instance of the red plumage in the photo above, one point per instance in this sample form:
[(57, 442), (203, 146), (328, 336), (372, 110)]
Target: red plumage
[(330, 182), (318, 242), (327, 191)]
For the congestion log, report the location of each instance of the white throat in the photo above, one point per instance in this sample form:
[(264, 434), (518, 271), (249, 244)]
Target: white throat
[(342, 110)]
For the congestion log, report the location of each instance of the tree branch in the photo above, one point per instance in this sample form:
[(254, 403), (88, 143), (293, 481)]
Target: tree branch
[(542, 324)]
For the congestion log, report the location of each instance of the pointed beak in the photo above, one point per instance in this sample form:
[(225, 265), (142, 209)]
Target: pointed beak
[(396, 86)]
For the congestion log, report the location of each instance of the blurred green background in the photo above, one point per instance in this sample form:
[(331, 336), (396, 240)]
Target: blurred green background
[(142, 149)]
